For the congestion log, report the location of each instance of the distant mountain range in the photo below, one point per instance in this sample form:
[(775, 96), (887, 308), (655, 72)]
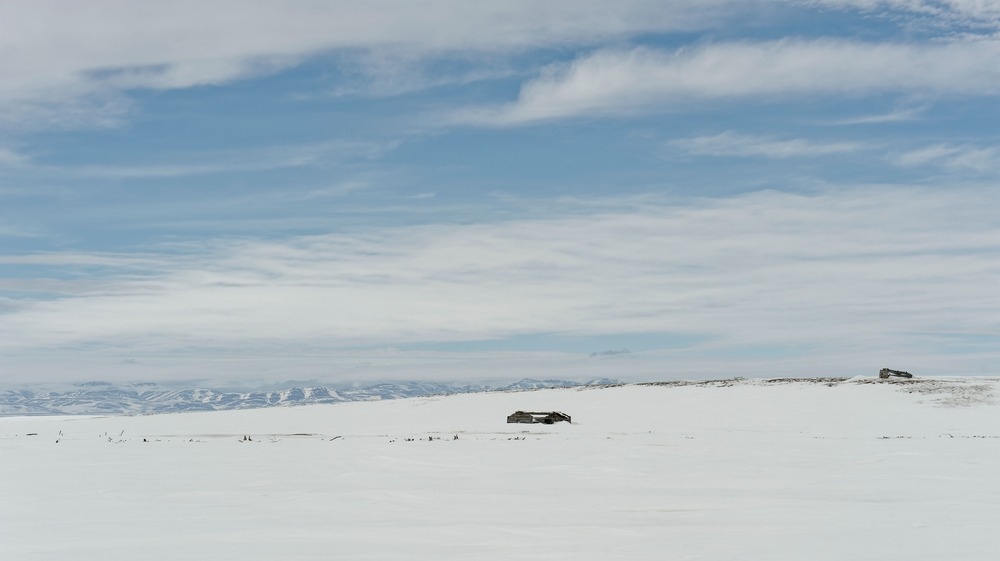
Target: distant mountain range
[(104, 398)]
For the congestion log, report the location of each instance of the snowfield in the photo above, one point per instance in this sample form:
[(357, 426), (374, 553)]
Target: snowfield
[(748, 470)]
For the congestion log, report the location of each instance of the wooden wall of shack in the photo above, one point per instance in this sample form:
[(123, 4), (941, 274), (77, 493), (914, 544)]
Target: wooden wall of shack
[(544, 417)]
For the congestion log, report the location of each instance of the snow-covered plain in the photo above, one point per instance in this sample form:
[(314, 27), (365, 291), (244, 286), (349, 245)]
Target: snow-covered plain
[(746, 470)]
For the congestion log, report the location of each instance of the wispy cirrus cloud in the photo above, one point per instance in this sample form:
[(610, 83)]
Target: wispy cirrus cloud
[(959, 157), (380, 74), (624, 82), (741, 145), (327, 153), (855, 270), (961, 12), (16, 231), (79, 70), (455, 239), (898, 115), (12, 158)]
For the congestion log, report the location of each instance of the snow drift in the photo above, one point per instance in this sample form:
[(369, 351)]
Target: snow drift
[(781, 470)]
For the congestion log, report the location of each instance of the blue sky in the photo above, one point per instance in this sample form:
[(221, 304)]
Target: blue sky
[(250, 192)]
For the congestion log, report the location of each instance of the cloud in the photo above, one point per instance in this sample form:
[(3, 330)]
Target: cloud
[(732, 144), (74, 66), (15, 231), (961, 12), (837, 273), (69, 64), (116, 261), (380, 74), (10, 158), (622, 82), (895, 116), (954, 157), (326, 153)]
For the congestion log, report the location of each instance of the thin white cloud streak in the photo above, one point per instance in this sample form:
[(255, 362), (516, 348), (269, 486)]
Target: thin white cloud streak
[(962, 12), (225, 161), (954, 157), (616, 82), (841, 272), (67, 63), (894, 116), (11, 158), (265, 367), (116, 261), (733, 144), (391, 74), (15, 231)]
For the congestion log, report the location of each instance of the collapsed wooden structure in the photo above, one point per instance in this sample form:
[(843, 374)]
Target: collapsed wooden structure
[(544, 417), (886, 372)]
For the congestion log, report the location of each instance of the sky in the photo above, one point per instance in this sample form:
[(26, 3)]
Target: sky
[(256, 192)]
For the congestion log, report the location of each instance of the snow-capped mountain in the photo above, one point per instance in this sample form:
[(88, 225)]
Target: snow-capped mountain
[(91, 398)]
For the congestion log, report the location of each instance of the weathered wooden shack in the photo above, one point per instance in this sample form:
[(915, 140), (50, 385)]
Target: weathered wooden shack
[(886, 372), (544, 417)]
